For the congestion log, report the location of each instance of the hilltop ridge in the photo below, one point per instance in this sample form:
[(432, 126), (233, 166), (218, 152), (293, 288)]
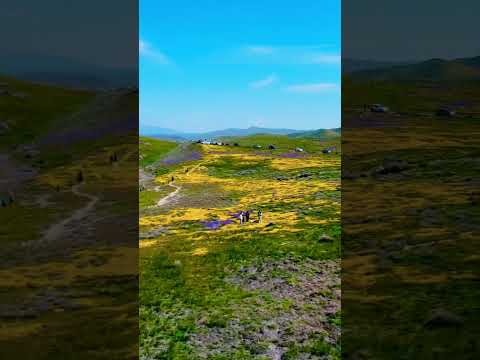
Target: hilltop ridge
[(165, 133)]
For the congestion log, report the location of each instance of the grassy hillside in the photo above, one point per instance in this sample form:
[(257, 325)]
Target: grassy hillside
[(213, 288), (282, 143), (30, 110), (151, 150), (432, 70), (321, 134), (80, 231), (408, 217), (409, 97)]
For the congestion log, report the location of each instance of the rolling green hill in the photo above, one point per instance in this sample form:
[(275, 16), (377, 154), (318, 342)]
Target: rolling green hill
[(282, 143), (435, 70), (29, 110), (45, 118), (321, 134), (152, 150)]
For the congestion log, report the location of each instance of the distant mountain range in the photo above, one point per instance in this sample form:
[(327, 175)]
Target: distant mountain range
[(353, 65), (170, 134), (463, 69), (67, 72)]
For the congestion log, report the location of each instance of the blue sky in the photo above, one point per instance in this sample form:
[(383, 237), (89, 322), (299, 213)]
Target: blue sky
[(207, 65)]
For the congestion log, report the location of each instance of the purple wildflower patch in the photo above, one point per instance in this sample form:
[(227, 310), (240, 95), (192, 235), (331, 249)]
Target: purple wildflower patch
[(235, 215), (182, 157), (259, 153), (216, 224), (292, 155)]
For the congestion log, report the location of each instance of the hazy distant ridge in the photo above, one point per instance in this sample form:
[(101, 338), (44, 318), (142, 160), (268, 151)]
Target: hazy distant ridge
[(464, 69), (177, 135)]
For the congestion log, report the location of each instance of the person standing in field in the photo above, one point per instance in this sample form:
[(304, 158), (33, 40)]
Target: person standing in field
[(241, 217), (260, 216), (247, 216)]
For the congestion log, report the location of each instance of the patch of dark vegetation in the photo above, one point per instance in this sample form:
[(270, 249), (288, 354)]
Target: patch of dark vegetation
[(229, 167)]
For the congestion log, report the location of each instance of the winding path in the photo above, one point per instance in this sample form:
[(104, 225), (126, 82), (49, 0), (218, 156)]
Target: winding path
[(167, 199), (56, 230)]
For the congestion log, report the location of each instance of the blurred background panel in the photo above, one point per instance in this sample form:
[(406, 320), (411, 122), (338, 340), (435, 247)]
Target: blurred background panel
[(410, 129), (69, 180)]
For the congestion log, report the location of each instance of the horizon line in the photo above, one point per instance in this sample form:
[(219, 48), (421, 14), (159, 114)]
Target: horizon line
[(235, 128)]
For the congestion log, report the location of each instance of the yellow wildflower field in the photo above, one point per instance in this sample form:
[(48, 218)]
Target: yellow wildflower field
[(195, 245)]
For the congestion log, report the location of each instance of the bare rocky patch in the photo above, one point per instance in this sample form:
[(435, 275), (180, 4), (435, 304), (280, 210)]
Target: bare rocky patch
[(294, 315)]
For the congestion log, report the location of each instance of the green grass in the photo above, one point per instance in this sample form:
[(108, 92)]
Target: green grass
[(50, 104), (321, 135), (230, 167), (226, 167), (106, 327), (283, 143), (150, 198), (408, 97), (172, 282), (317, 347), (183, 295), (395, 209), (71, 334), (152, 150)]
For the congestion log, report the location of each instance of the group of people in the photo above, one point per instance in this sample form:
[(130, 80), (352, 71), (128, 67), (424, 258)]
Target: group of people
[(245, 216)]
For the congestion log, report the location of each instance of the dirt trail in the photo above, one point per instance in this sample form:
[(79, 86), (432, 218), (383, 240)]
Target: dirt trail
[(56, 230), (167, 199)]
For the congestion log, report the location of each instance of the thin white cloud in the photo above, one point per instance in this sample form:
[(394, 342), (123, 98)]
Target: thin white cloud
[(259, 50), (311, 88), (148, 51), (315, 55), (264, 82)]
